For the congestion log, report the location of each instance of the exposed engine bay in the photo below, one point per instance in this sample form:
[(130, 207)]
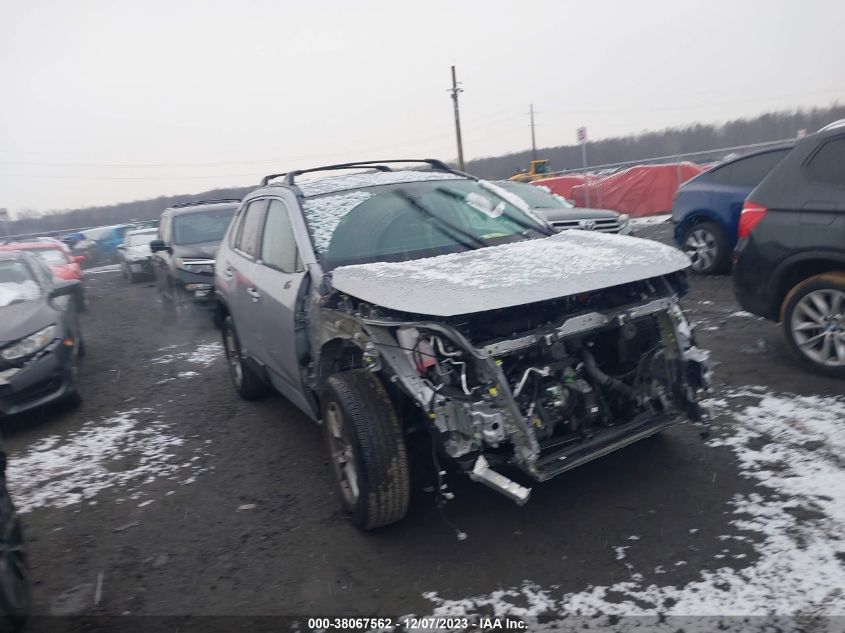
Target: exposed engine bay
[(544, 387)]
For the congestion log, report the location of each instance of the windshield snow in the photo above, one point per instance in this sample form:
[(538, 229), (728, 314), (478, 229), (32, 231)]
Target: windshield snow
[(412, 220), (16, 283)]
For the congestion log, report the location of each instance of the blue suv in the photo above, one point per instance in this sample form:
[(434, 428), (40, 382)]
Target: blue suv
[(706, 209)]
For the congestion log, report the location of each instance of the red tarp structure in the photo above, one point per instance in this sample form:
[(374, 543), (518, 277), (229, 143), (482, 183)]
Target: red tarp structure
[(561, 185), (638, 191)]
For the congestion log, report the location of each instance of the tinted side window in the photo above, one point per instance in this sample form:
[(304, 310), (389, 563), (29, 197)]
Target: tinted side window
[(250, 229), (748, 172), (278, 248), (828, 163), (723, 175), (751, 171)]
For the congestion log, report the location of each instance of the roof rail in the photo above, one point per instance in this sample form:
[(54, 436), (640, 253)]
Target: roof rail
[(379, 165), (196, 202), (833, 126)]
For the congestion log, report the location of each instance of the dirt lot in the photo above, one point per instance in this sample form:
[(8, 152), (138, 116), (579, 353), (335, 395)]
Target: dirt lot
[(175, 497)]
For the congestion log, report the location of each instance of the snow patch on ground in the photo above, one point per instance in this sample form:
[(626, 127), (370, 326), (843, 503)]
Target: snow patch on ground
[(792, 446), (128, 450), (651, 219), (110, 268), (744, 315), (205, 354)]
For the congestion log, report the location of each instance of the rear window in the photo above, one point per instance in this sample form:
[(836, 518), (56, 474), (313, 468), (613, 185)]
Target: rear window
[(828, 163)]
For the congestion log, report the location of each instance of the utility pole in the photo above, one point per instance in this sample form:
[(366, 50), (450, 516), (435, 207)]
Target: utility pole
[(533, 141), (455, 91)]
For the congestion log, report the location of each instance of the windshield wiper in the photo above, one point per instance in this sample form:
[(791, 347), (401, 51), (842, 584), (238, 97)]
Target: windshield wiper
[(470, 240)]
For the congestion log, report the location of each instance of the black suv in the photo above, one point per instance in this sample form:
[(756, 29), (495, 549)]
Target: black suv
[(183, 256), (790, 261)]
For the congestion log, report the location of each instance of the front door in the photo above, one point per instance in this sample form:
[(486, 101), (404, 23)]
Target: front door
[(278, 279)]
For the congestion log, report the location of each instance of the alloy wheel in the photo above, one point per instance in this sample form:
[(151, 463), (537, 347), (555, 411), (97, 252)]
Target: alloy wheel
[(342, 454), (818, 327), (702, 249)]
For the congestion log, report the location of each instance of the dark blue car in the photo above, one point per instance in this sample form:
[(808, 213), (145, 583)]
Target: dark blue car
[(706, 209)]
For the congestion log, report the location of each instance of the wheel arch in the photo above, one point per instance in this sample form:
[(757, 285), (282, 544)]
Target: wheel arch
[(796, 269)]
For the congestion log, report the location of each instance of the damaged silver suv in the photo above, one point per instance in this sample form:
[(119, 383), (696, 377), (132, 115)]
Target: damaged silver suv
[(394, 304)]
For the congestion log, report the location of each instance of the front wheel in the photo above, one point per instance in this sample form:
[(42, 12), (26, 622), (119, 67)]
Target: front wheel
[(366, 448), (706, 246), (813, 322)]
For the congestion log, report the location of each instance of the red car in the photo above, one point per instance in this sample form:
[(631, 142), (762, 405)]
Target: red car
[(54, 254)]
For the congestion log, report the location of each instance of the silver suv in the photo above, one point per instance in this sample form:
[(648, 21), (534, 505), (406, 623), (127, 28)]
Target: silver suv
[(396, 306)]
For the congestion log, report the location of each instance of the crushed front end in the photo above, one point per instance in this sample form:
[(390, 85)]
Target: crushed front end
[(544, 387)]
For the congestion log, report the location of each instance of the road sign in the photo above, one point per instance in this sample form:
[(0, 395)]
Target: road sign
[(582, 134)]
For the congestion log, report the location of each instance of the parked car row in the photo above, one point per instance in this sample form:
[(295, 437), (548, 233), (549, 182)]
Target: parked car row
[(777, 216)]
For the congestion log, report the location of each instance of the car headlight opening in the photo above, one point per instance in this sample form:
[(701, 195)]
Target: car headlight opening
[(30, 345)]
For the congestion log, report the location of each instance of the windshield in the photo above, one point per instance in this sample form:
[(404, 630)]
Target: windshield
[(140, 239), (50, 256), (201, 226), (17, 283), (413, 220), (535, 196)]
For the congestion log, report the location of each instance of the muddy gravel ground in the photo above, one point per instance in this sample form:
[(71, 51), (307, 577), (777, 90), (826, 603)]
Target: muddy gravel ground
[(163, 493)]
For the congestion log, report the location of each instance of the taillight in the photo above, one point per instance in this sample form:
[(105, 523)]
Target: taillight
[(750, 217)]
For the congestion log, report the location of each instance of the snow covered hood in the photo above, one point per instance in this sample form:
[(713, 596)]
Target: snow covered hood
[(509, 275)]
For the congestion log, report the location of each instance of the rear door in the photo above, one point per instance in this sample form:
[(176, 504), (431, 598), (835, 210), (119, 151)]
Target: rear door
[(238, 265), (823, 204), (279, 282)]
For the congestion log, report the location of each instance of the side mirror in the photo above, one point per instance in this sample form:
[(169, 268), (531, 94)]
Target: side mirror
[(78, 259), (158, 245), (64, 288)]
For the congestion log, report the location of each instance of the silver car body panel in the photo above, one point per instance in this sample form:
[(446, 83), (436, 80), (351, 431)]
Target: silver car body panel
[(514, 274)]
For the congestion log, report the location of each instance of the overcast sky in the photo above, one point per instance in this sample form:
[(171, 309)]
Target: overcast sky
[(111, 101)]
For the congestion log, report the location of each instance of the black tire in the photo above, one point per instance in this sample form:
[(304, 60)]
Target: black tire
[(14, 573), (246, 382), (801, 341), (712, 257), (357, 407)]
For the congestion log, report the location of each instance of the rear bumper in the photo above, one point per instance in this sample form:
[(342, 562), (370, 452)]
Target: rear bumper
[(196, 289), (752, 282), (45, 379)]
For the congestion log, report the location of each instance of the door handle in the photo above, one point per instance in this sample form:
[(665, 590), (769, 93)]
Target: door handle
[(252, 292), (227, 272)]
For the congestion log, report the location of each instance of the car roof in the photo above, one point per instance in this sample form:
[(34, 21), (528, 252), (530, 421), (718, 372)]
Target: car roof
[(198, 207), (27, 246), (348, 182), (9, 255), (142, 231)]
